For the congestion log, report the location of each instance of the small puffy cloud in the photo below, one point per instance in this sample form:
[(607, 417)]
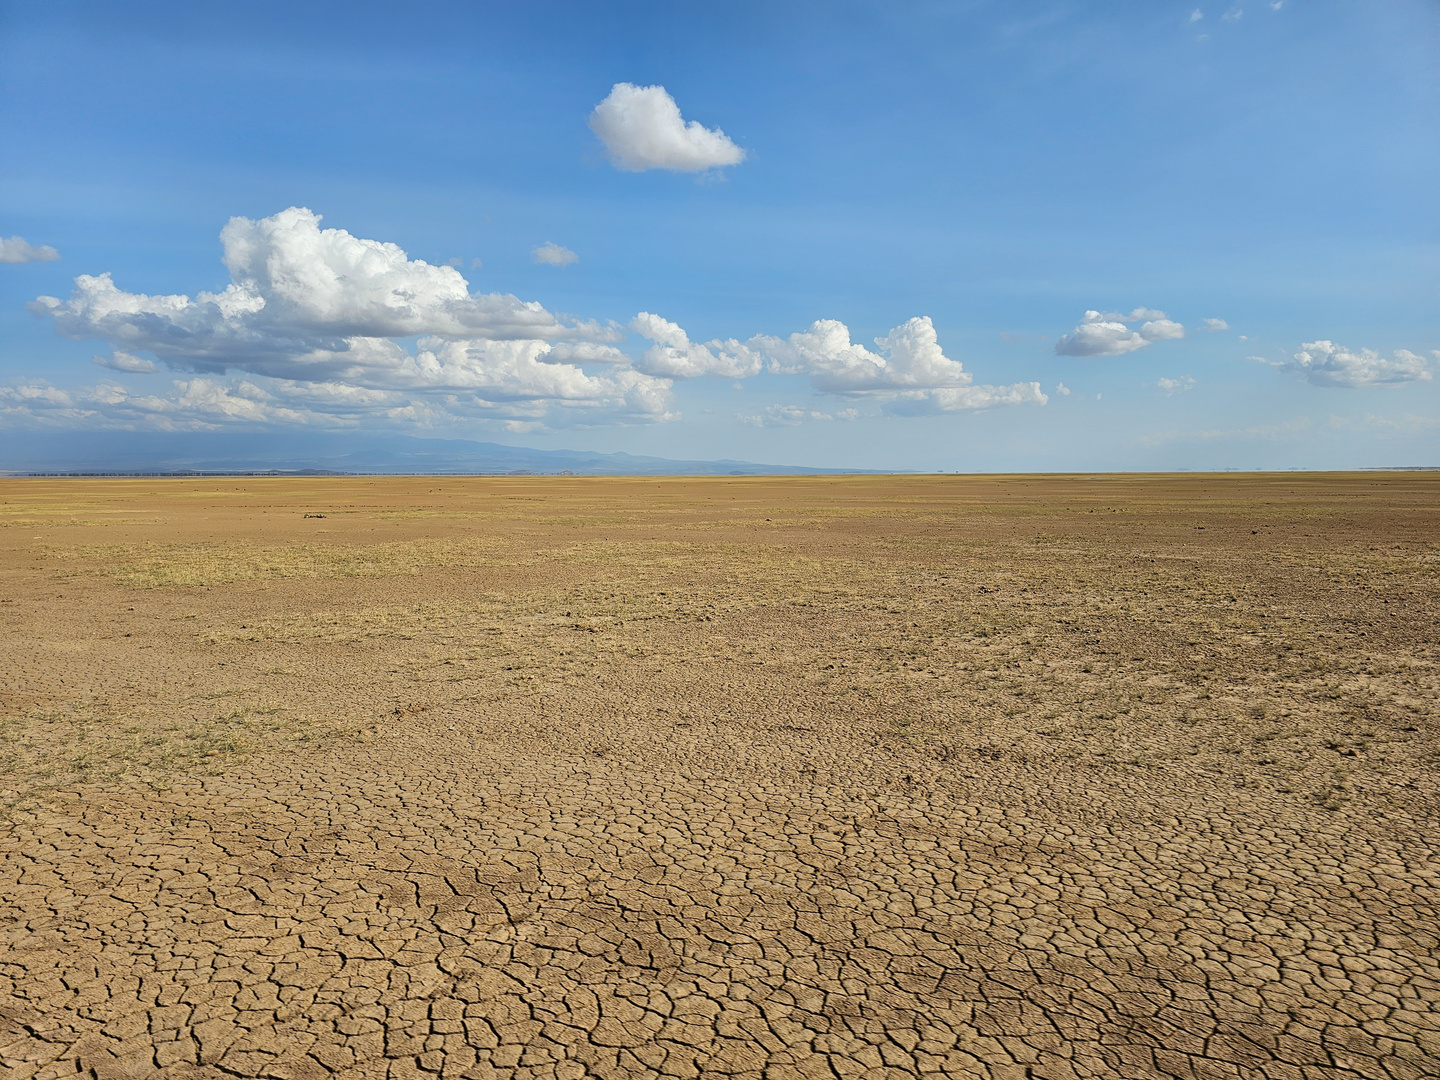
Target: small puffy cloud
[(641, 128), (123, 361), (1324, 363), (674, 356), (1171, 387), (19, 250), (1196, 16), (1214, 326), (1098, 336), (1062, 389), (908, 357), (1162, 329), (552, 254), (1109, 333)]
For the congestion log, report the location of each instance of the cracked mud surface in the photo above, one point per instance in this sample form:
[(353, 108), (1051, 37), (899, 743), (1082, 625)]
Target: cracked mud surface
[(980, 777)]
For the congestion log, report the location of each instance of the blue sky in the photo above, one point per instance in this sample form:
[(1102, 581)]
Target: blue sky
[(964, 181)]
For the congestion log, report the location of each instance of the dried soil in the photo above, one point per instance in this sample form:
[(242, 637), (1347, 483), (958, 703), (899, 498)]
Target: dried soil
[(835, 777)]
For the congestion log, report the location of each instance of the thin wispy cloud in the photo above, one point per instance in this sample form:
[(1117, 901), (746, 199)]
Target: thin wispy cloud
[(1170, 387), (792, 416)]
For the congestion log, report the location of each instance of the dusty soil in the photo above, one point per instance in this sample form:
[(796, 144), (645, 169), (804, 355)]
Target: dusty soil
[(981, 777)]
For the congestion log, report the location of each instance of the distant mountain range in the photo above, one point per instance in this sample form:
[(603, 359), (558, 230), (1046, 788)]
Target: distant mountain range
[(154, 453)]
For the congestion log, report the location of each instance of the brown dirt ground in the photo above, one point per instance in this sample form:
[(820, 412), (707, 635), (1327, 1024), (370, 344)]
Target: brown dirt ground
[(837, 777)]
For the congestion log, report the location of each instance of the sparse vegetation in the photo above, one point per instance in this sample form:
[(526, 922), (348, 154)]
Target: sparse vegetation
[(925, 611)]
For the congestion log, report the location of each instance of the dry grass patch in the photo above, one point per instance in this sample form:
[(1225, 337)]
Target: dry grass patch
[(207, 565)]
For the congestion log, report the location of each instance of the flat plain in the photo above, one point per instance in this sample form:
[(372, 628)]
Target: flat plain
[(1050, 777)]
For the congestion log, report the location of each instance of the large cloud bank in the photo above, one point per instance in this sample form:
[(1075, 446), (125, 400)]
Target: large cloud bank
[(321, 327), (641, 128), (313, 306), (1110, 333)]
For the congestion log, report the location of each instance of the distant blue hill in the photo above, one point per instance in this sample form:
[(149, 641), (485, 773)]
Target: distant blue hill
[(153, 453)]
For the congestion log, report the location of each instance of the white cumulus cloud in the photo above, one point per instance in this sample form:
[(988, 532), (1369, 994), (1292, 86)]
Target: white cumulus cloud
[(38, 400), (673, 355), (321, 327), (308, 306), (19, 250), (1109, 333), (908, 370), (641, 128), (1326, 364), (908, 357), (552, 254), (1214, 326)]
